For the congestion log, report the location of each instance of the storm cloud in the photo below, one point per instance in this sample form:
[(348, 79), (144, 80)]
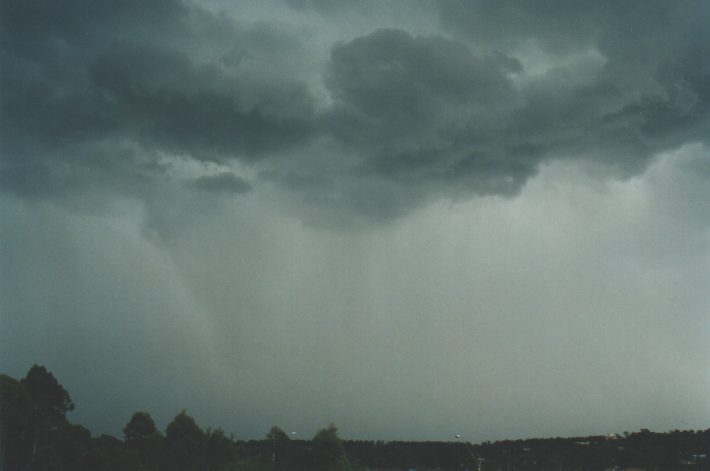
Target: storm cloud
[(473, 109), (413, 219)]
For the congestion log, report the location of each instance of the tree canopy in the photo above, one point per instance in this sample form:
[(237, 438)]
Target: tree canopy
[(35, 435), (329, 450), (140, 428), (49, 399)]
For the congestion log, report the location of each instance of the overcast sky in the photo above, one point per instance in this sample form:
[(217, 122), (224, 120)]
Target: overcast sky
[(413, 218)]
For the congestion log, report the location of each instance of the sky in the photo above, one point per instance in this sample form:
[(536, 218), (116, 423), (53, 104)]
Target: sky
[(413, 219)]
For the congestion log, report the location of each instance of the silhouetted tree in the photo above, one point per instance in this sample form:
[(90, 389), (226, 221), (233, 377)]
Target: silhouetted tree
[(142, 439), (184, 441), (140, 428), (15, 433), (49, 398), (277, 435), (219, 450), (70, 442), (328, 450), (36, 436), (106, 453), (49, 404), (279, 444)]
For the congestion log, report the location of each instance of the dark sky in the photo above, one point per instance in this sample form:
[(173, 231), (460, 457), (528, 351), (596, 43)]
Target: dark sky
[(413, 218)]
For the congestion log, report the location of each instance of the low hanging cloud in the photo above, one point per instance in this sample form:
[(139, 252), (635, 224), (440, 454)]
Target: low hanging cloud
[(224, 182), (406, 103), (89, 77), (409, 117)]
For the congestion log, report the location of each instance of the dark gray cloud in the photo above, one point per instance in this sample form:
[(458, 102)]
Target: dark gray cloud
[(392, 89), (468, 110), (517, 84), (164, 99), (224, 182), (559, 25), (652, 85), (88, 76), (420, 111)]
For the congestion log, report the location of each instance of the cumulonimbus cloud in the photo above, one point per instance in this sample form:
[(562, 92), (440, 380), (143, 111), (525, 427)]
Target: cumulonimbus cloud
[(99, 91)]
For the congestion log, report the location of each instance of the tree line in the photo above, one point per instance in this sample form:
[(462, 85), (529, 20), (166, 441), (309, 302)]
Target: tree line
[(35, 435)]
